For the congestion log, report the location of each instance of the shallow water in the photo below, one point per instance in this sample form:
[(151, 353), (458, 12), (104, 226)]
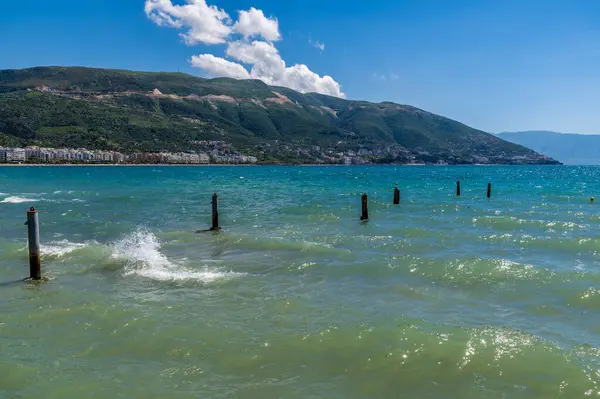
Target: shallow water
[(439, 297)]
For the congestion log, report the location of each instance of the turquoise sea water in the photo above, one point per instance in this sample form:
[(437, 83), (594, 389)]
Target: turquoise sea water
[(439, 297)]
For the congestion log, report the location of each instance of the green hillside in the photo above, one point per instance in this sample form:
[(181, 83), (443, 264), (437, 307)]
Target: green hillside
[(140, 111)]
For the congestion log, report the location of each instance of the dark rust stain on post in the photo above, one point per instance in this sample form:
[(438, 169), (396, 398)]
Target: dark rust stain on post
[(35, 270), (215, 213), (365, 208), (33, 238)]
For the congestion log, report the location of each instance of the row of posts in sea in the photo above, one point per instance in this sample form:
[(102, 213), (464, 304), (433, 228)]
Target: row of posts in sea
[(33, 230)]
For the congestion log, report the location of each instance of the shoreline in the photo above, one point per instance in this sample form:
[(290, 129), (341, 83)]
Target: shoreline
[(12, 165), (114, 165)]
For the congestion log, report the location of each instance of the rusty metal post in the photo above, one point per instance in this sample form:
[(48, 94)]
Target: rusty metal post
[(365, 208), (215, 213), (458, 188), (489, 191), (396, 196), (33, 235)]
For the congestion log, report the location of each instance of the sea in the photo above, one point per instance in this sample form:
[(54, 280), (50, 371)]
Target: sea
[(439, 297)]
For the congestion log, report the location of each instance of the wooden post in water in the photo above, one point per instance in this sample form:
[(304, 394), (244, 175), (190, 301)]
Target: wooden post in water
[(215, 213), (33, 235), (396, 196), (489, 192), (365, 208), (458, 188)]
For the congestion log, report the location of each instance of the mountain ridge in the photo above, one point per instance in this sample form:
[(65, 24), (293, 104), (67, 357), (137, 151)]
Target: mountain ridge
[(162, 111)]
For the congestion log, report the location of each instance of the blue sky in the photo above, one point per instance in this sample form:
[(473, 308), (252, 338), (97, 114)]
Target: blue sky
[(495, 65)]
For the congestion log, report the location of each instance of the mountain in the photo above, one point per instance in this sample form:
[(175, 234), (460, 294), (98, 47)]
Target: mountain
[(569, 148), (140, 111)]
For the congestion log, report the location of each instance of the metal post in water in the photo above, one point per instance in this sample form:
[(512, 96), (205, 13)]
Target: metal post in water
[(396, 196), (215, 213), (33, 235), (489, 191), (365, 208), (458, 188)]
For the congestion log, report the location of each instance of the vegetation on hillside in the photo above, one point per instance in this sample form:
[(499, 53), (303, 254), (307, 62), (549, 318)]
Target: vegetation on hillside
[(140, 111)]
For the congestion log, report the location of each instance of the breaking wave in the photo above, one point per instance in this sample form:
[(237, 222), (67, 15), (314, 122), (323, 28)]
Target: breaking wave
[(16, 200), (141, 253), (136, 254), (57, 249)]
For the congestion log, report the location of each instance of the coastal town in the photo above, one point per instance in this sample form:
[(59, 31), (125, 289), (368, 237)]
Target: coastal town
[(219, 152), (34, 154)]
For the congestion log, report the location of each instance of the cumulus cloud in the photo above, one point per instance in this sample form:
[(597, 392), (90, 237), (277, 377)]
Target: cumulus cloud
[(268, 66), (253, 23), (202, 23), (206, 24), (216, 66), (254, 53)]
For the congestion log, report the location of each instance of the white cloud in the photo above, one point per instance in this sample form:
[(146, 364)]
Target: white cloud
[(268, 66), (383, 78), (319, 45), (202, 23), (219, 67), (253, 23), (302, 79), (254, 53)]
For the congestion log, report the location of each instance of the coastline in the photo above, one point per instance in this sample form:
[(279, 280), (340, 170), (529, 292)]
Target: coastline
[(145, 165), (115, 164)]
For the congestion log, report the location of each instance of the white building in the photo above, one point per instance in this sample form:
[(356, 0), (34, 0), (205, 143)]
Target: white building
[(203, 158), (33, 152), (16, 155), (36, 153)]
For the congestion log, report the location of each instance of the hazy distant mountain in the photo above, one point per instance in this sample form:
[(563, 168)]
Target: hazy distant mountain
[(569, 148)]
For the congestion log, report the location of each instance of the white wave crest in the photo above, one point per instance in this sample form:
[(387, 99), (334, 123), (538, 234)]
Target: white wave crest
[(61, 248), (141, 251), (16, 200)]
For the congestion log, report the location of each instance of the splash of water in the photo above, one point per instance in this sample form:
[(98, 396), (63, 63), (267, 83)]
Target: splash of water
[(141, 251)]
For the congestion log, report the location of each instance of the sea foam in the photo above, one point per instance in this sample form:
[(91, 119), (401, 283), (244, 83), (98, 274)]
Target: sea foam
[(138, 254), (141, 251), (16, 200), (61, 248)]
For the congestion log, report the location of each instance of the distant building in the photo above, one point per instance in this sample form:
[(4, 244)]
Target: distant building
[(16, 155), (203, 158), (40, 154)]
